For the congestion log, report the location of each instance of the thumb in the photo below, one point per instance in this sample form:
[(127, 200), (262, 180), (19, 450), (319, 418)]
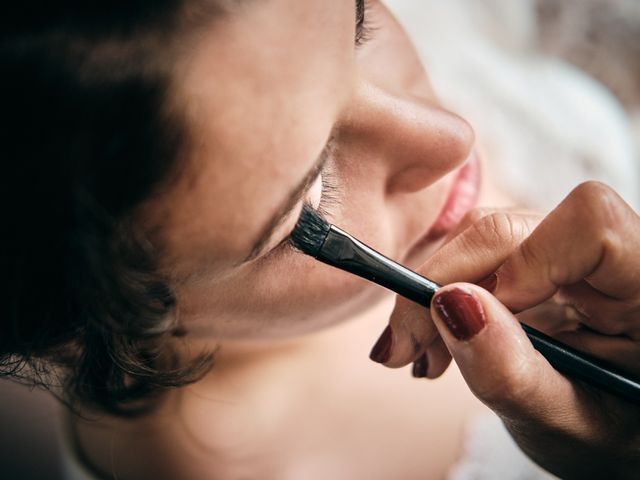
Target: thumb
[(496, 358)]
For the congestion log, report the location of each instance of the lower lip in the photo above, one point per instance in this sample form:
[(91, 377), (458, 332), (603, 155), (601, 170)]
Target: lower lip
[(463, 196)]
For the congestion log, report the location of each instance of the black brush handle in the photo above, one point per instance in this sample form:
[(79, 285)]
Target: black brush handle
[(583, 367), (347, 253)]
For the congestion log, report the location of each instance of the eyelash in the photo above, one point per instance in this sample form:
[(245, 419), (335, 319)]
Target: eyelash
[(329, 198), (330, 193), (364, 27)]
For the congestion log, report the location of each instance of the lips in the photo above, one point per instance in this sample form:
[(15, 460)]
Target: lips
[(463, 196)]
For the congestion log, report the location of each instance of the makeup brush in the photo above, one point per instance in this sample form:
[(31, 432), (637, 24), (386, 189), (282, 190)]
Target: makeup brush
[(314, 236)]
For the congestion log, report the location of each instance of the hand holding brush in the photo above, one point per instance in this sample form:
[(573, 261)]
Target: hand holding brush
[(585, 251)]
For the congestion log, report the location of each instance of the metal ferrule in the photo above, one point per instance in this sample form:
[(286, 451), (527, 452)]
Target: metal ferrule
[(347, 253)]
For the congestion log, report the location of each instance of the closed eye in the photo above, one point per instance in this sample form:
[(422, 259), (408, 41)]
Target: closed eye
[(364, 28)]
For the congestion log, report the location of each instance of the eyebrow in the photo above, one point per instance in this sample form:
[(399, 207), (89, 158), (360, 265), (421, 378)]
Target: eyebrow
[(289, 204)]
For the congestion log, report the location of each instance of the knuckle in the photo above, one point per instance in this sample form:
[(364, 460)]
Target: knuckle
[(413, 321), (497, 227), (476, 214), (598, 205), (603, 215), (533, 259), (590, 189)]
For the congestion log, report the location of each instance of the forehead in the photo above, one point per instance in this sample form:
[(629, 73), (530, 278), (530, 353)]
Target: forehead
[(261, 90)]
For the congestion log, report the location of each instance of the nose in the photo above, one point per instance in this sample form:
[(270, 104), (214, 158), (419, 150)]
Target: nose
[(413, 140)]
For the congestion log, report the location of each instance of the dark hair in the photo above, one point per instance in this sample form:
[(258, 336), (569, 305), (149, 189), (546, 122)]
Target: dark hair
[(88, 132)]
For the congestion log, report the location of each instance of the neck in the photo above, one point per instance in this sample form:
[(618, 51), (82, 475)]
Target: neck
[(253, 395)]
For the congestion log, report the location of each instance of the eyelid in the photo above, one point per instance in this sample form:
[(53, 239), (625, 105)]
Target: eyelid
[(329, 199), (320, 174), (285, 243), (329, 196)]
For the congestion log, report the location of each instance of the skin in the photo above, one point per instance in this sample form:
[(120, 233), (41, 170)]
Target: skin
[(394, 150), (289, 397), (276, 403), (575, 273)]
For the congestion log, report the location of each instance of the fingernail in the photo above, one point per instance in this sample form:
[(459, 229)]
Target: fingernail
[(381, 351), (461, 312), (420, 366), (489, 283)]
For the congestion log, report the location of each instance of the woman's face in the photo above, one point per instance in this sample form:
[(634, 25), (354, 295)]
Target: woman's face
[(284, 106)]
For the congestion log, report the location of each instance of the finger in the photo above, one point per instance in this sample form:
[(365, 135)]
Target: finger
[(538, 405), (420, 366), (622, 352), (432, 362), (439, 358), (478, 213), (600, 312), (412, 331), (592, 235), (551, 317), (496, 359), (480, 249), (475, 253)]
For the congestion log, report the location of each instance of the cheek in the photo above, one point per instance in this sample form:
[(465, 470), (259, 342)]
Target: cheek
[(363, 209), (302, 294), (284, 296), (313, 197)]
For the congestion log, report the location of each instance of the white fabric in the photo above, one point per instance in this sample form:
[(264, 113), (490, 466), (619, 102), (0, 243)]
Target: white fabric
[(73, 470), (490, 453), (70, 464)]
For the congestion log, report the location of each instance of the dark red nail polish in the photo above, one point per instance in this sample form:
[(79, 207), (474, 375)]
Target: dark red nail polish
[(381, 351), (420, 366), (461, 312), (489, 283)]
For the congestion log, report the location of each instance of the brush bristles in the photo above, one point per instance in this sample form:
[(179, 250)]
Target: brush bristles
[(310, 232)]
